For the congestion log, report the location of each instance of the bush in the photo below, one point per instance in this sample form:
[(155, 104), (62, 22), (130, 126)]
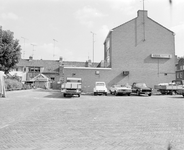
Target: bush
[(12, 84)]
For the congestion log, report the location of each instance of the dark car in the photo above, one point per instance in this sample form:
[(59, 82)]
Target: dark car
[(141, 88)]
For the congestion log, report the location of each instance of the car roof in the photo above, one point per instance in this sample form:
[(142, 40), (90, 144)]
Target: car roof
[(74, 79)]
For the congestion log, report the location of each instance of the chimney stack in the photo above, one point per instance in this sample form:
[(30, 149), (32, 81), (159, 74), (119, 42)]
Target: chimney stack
[(30, 58)]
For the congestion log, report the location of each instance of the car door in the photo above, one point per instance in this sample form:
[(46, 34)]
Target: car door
[(134, 90)]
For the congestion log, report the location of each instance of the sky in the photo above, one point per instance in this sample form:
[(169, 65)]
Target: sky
[(50, 29)]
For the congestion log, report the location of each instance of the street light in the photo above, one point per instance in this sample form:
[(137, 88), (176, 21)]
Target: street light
[(54, 47), (93, 42), (24, 46), (33, 49)]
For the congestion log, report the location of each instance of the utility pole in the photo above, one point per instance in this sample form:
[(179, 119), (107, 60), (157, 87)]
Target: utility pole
[(54, 48), (93, 43), (33, 49), (24, 47), (143, 23)]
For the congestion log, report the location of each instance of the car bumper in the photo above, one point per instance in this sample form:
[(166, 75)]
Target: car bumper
[(100, 92), (145, 92), (71, 92)]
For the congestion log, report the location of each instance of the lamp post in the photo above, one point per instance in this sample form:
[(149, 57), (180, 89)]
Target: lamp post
[(93, 43), (33, 49), (54, 47), (24, 46)]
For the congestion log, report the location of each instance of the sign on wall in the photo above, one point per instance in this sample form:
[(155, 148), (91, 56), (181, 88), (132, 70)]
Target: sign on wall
[(166, 56)]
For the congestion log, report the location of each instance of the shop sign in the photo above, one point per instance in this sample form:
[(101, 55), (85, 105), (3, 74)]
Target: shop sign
[(167, 56)]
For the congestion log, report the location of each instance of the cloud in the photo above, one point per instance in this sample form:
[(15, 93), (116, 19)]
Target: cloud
[(121, 5), (9, 16), (47, 51), (87, 14)]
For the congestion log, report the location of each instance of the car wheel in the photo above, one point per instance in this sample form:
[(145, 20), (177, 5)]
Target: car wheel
[(128, 94), (163, 92), (149, 94), (64, 95), (95, 93), (105, 94), (138, 93), (78, 95), (172, 93)]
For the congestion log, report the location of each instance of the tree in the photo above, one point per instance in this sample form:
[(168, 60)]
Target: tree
[(10, 50)]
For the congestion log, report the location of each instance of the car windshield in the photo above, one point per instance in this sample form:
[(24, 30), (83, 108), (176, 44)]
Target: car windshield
[(126, 85), (76, 81), (141, 85), (100, 84)]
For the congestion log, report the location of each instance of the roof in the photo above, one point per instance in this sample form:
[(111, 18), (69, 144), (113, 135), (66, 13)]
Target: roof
[(48, 65), (133, 20), (41, 77), (74, 79), (51, 66)]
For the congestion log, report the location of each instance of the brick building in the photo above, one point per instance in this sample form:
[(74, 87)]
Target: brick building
[(180, 69), (140, 50)]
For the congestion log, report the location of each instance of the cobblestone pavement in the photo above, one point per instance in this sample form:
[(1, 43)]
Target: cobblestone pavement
[(44, 120)]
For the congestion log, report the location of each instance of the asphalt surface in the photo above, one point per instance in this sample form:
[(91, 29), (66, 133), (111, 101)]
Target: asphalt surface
[(45, 120)]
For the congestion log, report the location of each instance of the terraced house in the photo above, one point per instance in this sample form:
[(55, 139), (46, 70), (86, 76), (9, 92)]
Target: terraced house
[(140, 50), (180, 69)]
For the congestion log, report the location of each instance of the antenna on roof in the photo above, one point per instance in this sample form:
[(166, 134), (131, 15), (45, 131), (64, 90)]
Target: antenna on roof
[(24, 46), (33, 49), (93, 34), (143, 22), (54, 47)]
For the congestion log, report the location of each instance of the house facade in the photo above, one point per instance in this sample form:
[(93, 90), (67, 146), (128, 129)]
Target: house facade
[(52, 69), (180, 69)]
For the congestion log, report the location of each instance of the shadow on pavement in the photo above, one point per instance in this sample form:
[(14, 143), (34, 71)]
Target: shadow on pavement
[(54, 93), (179, 97)]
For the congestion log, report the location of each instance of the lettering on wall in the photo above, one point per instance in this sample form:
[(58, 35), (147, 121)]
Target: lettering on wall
[(166, 56)]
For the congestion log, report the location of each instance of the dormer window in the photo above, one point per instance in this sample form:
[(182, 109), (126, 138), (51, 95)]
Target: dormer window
[(34, 69)]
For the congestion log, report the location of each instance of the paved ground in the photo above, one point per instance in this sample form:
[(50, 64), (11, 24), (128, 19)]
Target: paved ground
[(44, 120)]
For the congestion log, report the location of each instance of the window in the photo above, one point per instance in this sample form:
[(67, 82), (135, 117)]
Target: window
[(34, 69), (76, 81), (107, 44), (181, 75), (181, 67), (52, 78), (177, 75)]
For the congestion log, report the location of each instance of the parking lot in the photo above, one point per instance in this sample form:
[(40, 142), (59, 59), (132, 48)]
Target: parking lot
[(45, 120)]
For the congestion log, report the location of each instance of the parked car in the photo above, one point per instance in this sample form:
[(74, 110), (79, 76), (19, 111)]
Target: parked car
[(141, 88), (174, 87), (121, 89), (71, 87), (100, 88)]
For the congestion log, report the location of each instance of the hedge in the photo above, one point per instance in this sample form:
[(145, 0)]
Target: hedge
[(12, 84)]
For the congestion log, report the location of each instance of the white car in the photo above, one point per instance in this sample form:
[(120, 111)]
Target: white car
[(121, 89), (100, 88)]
